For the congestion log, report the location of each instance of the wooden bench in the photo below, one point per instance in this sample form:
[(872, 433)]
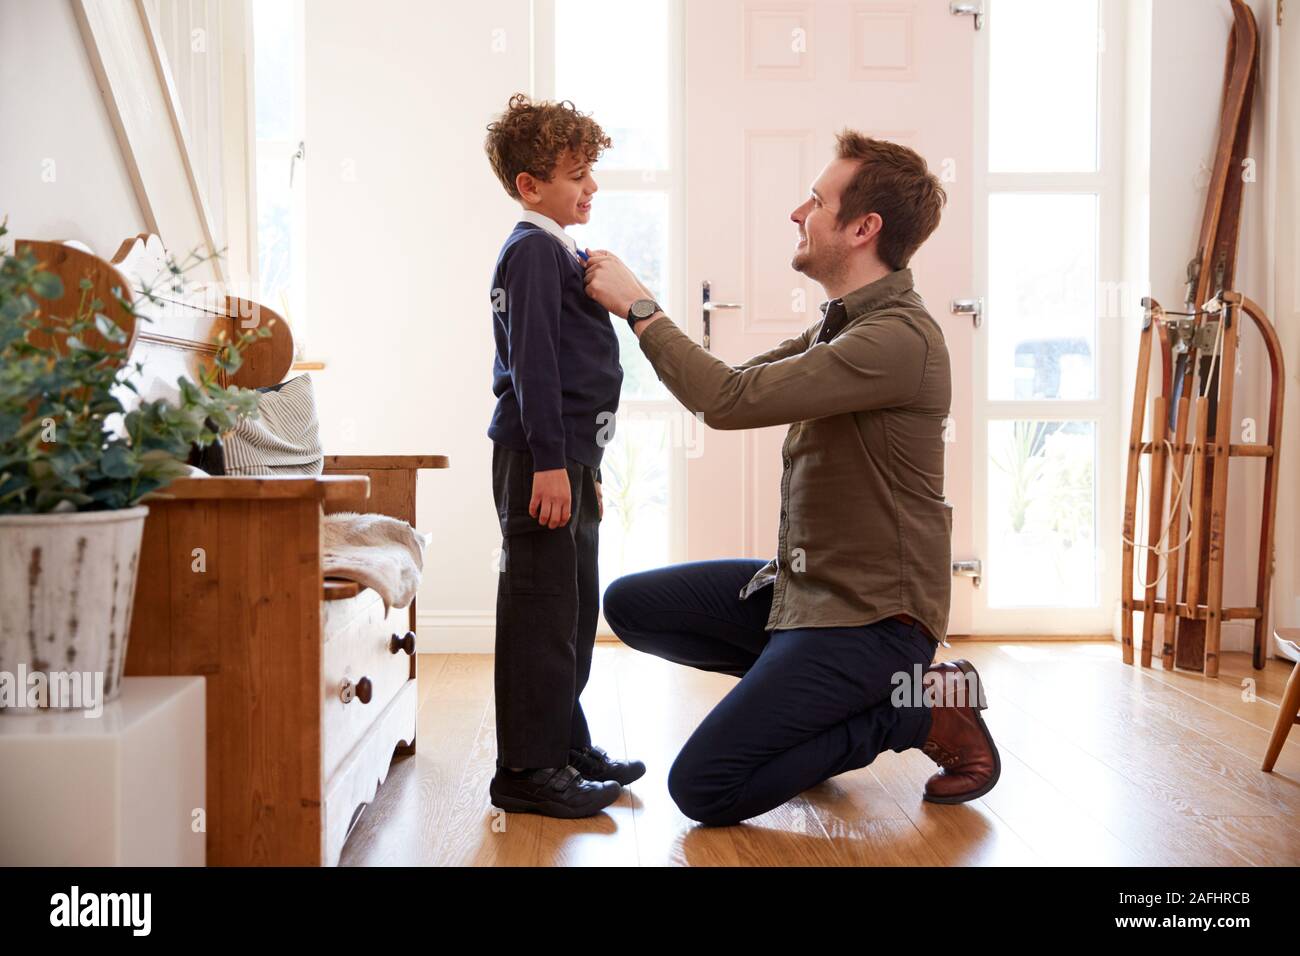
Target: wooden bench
[(311, 686)]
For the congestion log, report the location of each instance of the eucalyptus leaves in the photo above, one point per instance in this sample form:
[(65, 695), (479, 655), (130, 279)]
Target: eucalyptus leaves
[(66, 441)]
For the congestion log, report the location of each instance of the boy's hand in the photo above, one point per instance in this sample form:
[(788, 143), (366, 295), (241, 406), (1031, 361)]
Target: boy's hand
[(551, 497), (600, 503)]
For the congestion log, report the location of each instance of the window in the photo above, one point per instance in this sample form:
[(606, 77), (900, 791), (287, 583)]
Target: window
[(580, 55), (1047, 237), (1043, 86), (280, 155)]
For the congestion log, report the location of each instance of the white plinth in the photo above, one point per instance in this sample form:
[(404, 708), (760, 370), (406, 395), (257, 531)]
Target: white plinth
[(120, 789)]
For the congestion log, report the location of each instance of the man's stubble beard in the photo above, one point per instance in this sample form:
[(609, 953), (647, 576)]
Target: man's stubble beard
[(825, 268)]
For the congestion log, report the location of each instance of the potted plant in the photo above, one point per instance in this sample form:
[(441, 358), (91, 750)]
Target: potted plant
[(74, 466)]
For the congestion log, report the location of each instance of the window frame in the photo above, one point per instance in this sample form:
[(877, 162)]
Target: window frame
[(1103, 410), (670, 181)]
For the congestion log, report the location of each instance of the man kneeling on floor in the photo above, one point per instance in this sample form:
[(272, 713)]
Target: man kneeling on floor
[(857, 598)]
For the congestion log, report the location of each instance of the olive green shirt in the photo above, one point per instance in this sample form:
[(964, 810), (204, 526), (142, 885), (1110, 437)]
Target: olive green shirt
[(865, 531)]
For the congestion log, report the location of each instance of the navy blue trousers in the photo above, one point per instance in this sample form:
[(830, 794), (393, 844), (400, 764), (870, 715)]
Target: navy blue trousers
[(811, 702), (547, 595)]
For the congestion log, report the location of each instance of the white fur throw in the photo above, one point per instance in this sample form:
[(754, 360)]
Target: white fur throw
[(377, 551)]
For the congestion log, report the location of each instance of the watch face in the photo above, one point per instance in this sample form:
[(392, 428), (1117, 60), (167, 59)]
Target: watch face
[(643, 308)]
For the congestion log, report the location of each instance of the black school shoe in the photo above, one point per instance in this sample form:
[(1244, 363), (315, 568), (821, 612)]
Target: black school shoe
[(594, 764), (552, 792)]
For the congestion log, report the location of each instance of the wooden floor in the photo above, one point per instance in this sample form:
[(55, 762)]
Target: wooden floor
[(1102, 764)]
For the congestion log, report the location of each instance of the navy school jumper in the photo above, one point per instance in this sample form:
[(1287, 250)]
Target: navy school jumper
[(556, 375)]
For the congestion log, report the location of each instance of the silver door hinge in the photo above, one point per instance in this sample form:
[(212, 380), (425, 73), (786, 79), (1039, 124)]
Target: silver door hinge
[(968, 8), (972, 307), (972, 569)]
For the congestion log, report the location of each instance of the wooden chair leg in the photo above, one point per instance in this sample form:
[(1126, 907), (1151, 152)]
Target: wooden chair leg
[(1287, 715)]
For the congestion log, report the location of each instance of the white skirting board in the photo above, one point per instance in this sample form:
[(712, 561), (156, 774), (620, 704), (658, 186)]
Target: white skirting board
[(455, 632)]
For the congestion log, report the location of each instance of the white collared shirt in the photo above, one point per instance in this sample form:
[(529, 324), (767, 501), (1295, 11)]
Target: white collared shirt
[(554, 228)]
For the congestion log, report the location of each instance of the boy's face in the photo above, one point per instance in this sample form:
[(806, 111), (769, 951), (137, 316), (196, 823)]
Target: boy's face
[(567, 197)]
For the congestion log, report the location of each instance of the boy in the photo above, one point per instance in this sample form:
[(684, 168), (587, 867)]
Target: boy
[(556, 378)]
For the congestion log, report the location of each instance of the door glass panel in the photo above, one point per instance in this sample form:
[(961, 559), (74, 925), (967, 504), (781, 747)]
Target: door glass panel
[(634, 226), (635, 472), (593, 47), (624, 87), (1042, 514), (1042, 296), (1043, 64)]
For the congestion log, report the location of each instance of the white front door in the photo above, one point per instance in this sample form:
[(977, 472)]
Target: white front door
[(767, 86)]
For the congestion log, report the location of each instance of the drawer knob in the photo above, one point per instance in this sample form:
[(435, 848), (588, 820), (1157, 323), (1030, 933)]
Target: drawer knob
[(406, 643), (361, 690)]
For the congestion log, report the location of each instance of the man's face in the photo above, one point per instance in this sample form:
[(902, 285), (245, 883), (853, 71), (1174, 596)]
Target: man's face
[(567, 197), (823, 247)]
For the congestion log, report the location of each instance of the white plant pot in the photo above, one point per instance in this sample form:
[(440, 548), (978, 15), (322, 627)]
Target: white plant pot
[(67, 585)]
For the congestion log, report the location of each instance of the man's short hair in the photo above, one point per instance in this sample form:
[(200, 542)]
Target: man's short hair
[(893, 182), (530, 138)]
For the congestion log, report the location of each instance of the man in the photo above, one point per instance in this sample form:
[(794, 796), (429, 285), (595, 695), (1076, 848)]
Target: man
[(857, 597)]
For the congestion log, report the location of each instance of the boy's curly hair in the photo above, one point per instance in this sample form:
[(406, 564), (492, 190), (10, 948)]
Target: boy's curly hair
[(530, 137)]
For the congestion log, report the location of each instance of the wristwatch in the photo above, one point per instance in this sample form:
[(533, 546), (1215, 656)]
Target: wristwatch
[(641, 309)]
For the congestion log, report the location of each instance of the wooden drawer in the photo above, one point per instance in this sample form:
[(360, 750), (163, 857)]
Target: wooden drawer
[(357, 638)]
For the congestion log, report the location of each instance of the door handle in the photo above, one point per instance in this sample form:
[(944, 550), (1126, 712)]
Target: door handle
[(709, 307), (299, 153)]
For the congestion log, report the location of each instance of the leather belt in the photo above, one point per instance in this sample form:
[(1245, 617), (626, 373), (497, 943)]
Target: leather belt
[(910, 622)]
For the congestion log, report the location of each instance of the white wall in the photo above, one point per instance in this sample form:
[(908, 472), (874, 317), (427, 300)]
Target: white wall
[(404, 223), (62, 175), (1286, 316)]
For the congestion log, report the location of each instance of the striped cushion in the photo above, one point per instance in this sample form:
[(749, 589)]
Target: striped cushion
[(284, 440)]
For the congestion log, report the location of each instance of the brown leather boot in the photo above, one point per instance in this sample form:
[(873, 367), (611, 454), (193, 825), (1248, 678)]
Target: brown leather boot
[(959, 741)]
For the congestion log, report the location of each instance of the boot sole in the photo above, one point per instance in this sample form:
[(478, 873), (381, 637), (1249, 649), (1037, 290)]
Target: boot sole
[(553, 808), (981, 703)]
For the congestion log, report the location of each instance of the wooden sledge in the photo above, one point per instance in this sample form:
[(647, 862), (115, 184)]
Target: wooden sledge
[(1195, 345), (1214, 334)]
